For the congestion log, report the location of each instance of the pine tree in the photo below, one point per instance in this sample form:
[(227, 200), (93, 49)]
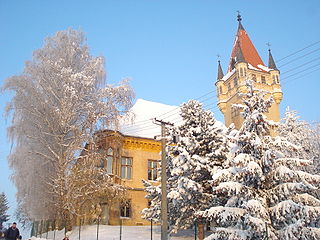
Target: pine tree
[(196, 148), (4, 206), (305, 138), (261, 193)]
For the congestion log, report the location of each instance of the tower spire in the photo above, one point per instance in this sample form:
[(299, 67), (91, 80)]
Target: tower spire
[(220, 72), (239, 55), (271, 64), (239, 19), (247, 52)]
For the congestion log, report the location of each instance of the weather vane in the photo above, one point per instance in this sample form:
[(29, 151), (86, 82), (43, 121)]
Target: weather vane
[(239, 16), (269, 45)]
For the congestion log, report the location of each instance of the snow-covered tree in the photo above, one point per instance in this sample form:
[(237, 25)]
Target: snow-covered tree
[(60, 100), (261, 193), (304, 137), (197, 146), (4, 207)]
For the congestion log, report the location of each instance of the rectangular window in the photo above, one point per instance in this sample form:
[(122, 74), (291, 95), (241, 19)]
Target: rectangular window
[(153, 169), (263, 79), (126, 168), (125, 209), (109, 160), (254, 77)]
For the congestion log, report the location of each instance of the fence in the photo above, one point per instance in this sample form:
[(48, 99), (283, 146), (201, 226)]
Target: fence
[(55, 230)]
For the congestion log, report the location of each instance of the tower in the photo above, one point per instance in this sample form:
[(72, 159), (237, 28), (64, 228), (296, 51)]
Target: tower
[(245, 63)]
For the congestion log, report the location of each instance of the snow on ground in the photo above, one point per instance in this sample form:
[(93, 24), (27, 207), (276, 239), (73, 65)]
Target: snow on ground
[(107, 232), (138, 121)]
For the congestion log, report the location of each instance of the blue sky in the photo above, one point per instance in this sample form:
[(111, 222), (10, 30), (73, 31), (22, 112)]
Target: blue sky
[(167, 47)]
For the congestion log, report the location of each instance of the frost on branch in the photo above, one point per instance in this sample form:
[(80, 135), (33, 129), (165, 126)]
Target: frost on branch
[(59, 101), (262, 188)]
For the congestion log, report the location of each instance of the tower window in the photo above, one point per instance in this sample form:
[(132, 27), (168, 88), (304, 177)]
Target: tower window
[(126, 168), (277, 77), (220, 90), (274, 79), (234, 112), (263, 79), (235, 81), (109, 160), (245, 72), (229, 86), (254, 77), (241, 72)]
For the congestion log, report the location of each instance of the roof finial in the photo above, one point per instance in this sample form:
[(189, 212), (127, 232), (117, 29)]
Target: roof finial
[(239, 16), (269, 45), (240, 27)]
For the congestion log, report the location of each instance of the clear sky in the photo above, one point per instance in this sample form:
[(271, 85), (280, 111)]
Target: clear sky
[(167, 47)]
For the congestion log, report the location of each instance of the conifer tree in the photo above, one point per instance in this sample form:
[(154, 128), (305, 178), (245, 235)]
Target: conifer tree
[(304, 137), (196, 148), (261, 194), (4, 206)]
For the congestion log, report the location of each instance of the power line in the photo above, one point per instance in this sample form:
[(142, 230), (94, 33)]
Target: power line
[(291, 80), (315, 43), (292, 69), (299, 57), (301, 71)]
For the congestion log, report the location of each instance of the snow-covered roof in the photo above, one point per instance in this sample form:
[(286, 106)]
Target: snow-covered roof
[(139, 120)]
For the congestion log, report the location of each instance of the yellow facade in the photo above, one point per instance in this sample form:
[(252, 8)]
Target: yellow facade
[(140, 151)]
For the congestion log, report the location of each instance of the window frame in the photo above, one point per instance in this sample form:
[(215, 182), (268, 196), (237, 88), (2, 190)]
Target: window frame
[(126, 166), (110, 156), (153, 169), (125, 209)]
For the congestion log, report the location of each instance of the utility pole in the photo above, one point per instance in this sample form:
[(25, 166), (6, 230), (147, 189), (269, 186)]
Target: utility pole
[(164, 203)]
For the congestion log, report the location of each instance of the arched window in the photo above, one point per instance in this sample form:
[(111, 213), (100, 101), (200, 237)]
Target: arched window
[(245, 72), (220, 90), (109, 160), (235, 82), (277, 79)]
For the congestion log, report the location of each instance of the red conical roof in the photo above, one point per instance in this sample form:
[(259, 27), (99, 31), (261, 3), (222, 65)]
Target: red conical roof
[(249, 52)]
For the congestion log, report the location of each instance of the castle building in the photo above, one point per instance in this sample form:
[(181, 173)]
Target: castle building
[(246, 64), (132, 153)]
